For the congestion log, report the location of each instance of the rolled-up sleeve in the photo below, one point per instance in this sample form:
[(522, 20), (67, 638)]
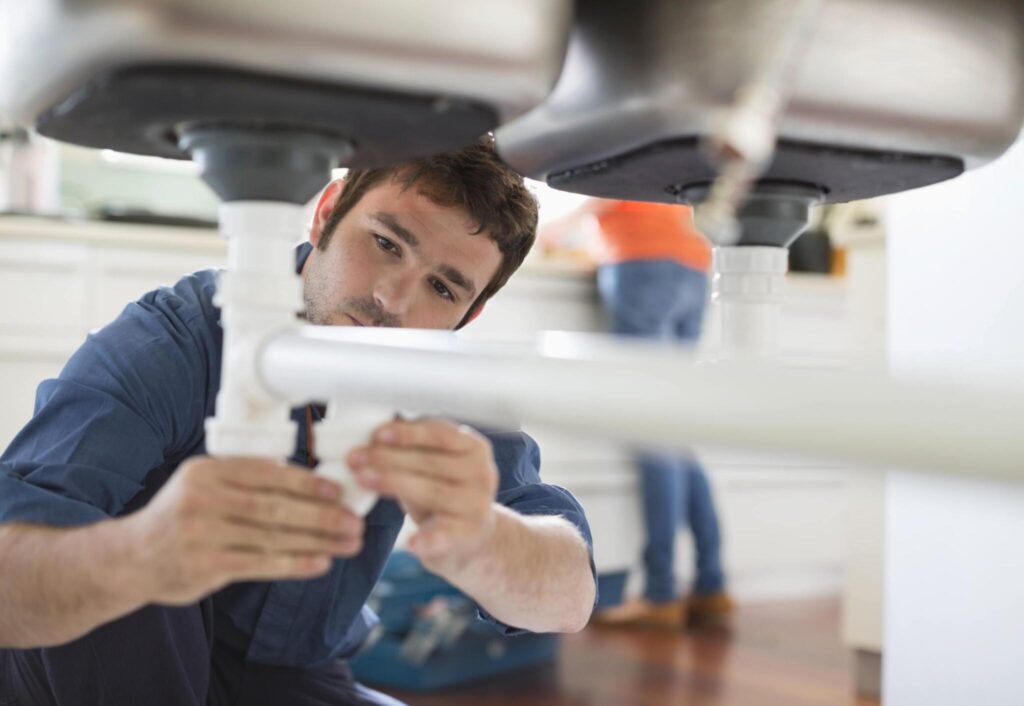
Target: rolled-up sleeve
[(128, 399), (521, 489)]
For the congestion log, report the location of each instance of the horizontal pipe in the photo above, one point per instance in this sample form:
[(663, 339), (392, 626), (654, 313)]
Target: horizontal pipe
[(650, 396)]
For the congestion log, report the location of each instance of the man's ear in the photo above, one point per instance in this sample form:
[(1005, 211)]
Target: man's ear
[(324, 207)]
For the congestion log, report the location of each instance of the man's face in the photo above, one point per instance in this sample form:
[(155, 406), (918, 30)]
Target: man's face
[(398, 259)]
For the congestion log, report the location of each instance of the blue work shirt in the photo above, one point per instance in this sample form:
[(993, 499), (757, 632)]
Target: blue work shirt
[(128, 409)]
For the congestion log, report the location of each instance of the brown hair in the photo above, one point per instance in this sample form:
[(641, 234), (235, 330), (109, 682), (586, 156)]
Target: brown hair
[(472, 178)]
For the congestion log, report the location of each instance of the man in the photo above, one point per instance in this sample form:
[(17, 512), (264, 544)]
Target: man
[(139, 571), (652, 277)]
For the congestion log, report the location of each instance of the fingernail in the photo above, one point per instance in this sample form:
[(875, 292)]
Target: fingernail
[(320, 563), (387, 435), (357, 458), (369, 477)]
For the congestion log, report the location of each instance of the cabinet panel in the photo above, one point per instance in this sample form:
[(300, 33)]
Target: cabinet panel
[(58, 281), (122, 276), (43, 288)]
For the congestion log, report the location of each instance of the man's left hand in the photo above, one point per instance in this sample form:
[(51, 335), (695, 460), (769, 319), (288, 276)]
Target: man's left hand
[(444, 476)]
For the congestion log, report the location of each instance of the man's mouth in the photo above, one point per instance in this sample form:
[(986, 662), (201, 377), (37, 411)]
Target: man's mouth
[(356, 321)]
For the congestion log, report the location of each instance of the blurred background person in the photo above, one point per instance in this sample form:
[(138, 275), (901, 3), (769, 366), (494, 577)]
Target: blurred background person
[(652, 274)]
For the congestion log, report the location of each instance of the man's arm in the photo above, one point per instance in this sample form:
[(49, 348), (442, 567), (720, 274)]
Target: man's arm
[(215, 522), (132, 398), (530, 572), (60, 583)]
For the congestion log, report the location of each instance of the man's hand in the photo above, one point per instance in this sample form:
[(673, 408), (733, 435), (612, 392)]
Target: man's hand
[(444, 476), (218, 521), (531, 572)]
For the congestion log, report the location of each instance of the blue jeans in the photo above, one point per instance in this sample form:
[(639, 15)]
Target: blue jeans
[(663, 300)]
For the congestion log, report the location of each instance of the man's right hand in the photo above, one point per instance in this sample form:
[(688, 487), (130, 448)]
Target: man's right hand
[(217, 521)]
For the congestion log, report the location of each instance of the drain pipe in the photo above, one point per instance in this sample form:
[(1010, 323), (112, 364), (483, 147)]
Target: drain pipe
[(749, 278), (748, 288), (264, 177), (258, 295), (346, 426)]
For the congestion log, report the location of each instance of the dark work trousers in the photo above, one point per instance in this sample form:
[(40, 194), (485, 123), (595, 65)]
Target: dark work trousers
[(162, 655)]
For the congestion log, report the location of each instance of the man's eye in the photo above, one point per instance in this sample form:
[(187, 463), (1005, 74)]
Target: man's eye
[(385, 244), (442, 290)]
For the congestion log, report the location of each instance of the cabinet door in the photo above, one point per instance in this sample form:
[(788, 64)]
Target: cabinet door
[(43, 289), (52, 292), (123, 275), (43, 300)]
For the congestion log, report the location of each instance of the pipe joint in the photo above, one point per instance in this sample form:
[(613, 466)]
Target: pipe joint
[(347, 426)]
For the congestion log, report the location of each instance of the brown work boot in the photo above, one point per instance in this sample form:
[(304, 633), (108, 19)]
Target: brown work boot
[(709, 610), (642, 613)]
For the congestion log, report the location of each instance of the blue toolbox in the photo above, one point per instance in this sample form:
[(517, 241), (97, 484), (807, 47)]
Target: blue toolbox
[(430, 638)]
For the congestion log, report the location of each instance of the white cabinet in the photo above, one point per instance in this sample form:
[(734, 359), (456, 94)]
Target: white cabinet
[(59, 280), (43, 297)]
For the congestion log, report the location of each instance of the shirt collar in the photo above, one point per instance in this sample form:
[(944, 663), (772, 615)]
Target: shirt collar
[(302, 252)]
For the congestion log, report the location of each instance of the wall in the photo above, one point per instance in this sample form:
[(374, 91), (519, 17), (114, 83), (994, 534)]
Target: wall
[(92, 179), (954, 569)]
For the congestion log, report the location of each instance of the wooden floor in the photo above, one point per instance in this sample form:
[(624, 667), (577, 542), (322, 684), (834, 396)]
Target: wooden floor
[(775, 655)]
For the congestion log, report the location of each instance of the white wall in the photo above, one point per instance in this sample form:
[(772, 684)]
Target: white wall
[(957, 273), (92, 178), (954, 565)]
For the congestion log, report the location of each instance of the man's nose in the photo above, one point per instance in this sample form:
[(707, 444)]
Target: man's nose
[(394, 293)]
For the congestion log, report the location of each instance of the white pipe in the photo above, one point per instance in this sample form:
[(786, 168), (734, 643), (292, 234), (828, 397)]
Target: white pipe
[(748, 288), (345, 427), (649, 396), (259, 294)]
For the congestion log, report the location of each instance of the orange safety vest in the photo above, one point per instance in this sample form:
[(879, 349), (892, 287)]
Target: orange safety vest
[(633, 230)]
